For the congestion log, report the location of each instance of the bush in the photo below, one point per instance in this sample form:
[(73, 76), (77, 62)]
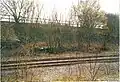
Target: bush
[(49, 50)]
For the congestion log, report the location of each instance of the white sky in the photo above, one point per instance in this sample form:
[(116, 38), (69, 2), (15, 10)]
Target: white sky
[(111, 6), (63, 6)]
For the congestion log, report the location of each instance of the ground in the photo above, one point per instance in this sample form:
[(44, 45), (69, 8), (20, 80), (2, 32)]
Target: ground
[(107, 71)]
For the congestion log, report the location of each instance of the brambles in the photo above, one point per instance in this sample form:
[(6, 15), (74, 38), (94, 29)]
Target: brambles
[(86, 32)]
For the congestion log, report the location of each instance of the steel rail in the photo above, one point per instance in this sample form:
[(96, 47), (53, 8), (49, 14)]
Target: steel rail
[(61, 63), (56, 59), (49, 62)]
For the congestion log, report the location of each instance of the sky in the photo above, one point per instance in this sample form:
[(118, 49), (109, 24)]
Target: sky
[(63, 6), (110, 6)]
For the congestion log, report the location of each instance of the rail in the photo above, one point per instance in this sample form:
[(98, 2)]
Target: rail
[(13, 65)]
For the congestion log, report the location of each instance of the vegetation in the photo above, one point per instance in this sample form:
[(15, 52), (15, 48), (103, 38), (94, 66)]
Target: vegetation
[(94, 32), (92, 27)]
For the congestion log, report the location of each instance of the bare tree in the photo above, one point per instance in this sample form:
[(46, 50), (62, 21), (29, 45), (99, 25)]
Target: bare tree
[(17, 8), (21, 10), (89, 16), (25, 10)]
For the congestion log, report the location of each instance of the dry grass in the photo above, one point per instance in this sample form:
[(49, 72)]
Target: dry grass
[(60, 55), (66, 74)]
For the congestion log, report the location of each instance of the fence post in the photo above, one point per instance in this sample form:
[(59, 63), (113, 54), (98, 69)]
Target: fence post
[(24, 19), (69, 23), (9, 18)]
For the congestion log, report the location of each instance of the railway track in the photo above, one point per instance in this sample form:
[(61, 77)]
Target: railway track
[(36, 63)]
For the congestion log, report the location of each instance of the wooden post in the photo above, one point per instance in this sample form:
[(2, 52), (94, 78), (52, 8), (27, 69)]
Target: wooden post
[(69, 23), (9, 18)]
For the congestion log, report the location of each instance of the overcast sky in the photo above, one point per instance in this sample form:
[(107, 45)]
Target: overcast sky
[(63, 6)]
